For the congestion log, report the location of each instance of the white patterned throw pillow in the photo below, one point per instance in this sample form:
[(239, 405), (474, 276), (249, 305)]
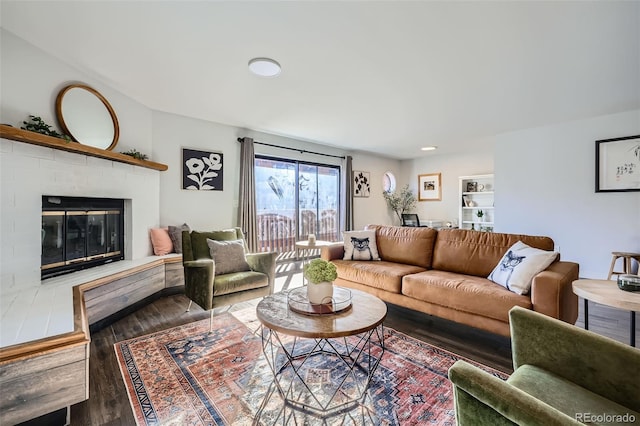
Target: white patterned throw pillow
[(519, 265), (360, 245)]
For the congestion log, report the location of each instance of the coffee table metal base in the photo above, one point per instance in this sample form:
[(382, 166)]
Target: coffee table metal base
[(323, 377)]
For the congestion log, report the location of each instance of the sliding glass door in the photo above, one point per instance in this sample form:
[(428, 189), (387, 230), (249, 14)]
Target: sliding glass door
[(295, 199)]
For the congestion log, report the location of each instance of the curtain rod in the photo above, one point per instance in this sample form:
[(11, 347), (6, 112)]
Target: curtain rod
[(301, 151)]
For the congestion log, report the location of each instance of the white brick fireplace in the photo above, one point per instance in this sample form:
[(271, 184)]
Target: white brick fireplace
[(27, 172)]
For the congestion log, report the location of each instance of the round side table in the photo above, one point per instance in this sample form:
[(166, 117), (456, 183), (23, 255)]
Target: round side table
[(607, 293)]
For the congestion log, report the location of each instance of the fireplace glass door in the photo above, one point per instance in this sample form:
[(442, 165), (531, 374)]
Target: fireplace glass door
[(79, 237)]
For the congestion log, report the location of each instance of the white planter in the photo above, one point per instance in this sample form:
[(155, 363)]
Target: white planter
[(320, 293)]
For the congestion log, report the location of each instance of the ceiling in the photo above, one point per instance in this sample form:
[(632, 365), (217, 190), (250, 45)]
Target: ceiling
[(383, 77)]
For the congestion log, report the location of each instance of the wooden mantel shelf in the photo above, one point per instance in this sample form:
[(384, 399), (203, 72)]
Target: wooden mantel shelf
[(34, 138)]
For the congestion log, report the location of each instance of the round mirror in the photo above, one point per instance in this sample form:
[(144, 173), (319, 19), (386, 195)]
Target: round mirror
[(86, 116)]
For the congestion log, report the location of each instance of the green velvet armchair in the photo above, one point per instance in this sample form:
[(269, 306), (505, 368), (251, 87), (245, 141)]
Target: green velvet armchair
[(563, 375), (210, 290)]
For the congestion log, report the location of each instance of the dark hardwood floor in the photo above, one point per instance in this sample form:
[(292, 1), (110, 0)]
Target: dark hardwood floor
[(108, 403)]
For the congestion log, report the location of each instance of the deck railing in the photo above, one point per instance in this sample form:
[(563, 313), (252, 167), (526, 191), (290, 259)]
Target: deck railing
[(277, 232)]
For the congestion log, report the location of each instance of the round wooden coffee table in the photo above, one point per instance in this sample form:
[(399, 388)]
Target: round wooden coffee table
[(607, 293), (323, 364)]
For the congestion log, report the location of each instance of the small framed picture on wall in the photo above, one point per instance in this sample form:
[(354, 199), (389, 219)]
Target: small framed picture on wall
[(361, 184), (429, 188)]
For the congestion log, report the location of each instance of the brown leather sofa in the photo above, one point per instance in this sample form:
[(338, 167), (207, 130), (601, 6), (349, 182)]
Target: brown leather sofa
[(444, 273)]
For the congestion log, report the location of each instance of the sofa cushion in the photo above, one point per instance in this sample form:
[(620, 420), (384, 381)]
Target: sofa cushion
[(477, 253), (175, 233), (408, 245), (383, 275), (465, 293), (360, 245), (160, 241), (228, 256), (199, 241), (519, 265), (568, 397), (239, 281)]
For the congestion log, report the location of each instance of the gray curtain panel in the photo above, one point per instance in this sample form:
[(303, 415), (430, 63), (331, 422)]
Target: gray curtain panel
[(247, 215), (348, 194)]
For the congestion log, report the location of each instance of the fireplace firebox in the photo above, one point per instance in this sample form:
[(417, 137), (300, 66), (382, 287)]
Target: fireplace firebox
[(79, 233)]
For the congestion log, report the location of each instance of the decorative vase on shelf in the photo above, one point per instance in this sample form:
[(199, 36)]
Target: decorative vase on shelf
[(320, 292)]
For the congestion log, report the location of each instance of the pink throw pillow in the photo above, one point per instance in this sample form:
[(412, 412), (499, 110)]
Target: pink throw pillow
[(161, 241)]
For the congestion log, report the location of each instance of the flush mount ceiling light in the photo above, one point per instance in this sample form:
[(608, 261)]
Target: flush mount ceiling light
[(429, 148), (264, 67)]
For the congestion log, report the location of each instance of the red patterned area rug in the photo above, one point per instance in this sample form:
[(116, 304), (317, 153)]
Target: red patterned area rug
[(188, 376)]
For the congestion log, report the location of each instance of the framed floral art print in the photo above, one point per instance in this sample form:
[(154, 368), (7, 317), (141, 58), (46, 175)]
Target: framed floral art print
[(201, 170)]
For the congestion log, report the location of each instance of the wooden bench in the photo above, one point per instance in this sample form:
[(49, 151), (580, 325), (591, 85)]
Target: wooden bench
[(48, 374)]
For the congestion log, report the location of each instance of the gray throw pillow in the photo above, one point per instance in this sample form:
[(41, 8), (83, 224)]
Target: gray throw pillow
[(228, 255), (175, 233)]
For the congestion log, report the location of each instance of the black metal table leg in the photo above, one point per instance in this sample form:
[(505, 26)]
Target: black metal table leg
[(586, 314), (633, 328)]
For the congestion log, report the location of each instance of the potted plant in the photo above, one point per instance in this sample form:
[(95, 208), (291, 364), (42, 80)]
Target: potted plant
[(320, 275), (400, 201), (480, 215)]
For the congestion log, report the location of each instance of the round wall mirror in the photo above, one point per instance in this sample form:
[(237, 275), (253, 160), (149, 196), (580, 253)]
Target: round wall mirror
[(86, 116)]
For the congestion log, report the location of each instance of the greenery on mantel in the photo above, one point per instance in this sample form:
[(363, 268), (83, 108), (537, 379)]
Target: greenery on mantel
[(38, 125), (135, 154)]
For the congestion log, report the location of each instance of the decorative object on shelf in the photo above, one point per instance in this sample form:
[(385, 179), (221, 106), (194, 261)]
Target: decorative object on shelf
[(320, 274), (476, 193), (87, 116), (38, 125), (361, 187), (618, 164), (400, 201), (429, 188), (201, 170), (312, 239), (135, 154), (480, 215), (629, 282)]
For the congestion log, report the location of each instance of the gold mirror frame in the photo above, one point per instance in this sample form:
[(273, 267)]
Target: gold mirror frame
[(65, 127)]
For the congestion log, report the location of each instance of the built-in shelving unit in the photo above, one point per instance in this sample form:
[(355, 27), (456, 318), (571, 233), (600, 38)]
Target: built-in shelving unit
[(8, 132), (476, 194)]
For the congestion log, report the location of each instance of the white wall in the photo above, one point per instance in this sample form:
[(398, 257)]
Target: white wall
[(478, 160), (217, 209), (31, 80), (374, 209), (545, 181)]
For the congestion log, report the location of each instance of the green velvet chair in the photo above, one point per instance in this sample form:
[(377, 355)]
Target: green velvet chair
[(563, 375), (209, 290)]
